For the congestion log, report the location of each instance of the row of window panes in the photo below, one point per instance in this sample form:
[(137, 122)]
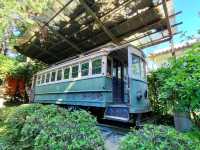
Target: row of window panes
[(51, 76)]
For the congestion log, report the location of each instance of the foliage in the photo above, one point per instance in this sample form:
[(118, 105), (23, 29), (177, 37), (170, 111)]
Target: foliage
[(6, 64), (3, 115), (181, 89), (155, 82), (17, 16), (17, 69), (177, 87), (158, 137), (35, 126)]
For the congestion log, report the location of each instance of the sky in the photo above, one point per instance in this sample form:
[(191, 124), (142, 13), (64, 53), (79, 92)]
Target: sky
[(190, 17)]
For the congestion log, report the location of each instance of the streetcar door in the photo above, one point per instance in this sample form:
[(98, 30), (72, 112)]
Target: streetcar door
[(117, 81)]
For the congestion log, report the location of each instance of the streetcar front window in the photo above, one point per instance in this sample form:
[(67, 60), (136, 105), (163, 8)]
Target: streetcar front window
[(143, 70), (135, 67), (138, 68)]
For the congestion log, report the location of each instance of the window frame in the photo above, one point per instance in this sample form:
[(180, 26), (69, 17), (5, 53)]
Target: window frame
[(43, 75), (38, 79), (54, 76), (82, 72), (92, 60), (75, 65), (142, 63), (57, 71), (88, 72), (49, 77), (69, 76)]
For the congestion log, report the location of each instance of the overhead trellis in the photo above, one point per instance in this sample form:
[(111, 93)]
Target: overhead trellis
[(71, 27)]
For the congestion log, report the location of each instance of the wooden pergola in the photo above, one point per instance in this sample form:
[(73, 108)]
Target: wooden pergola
[(76, 26)]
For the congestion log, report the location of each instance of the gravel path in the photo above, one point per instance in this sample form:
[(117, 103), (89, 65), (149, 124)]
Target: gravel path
[(112, 136)]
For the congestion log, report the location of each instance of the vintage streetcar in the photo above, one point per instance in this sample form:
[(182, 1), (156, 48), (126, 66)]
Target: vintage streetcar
[(109, 78)]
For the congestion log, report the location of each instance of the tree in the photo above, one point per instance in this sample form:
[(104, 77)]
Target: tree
[(17, 16), (17, 75)]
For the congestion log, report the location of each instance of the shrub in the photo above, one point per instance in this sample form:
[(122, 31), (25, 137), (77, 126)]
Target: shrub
[(181, 90), (158, 137), (34, 126), (176, 87), (155, 82)]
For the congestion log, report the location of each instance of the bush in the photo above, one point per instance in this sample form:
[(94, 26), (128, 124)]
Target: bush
[(181, 89), (158, 137), (155, 83), (35, 126), (176, 87)]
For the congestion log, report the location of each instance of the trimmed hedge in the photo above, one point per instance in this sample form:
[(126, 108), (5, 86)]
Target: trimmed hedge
[(161, 137), (36, 126)]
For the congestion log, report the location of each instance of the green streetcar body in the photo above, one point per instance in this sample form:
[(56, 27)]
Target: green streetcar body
[(111, 75)]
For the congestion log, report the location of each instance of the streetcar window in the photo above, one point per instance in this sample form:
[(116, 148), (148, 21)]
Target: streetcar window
[(47, 77), (135, 67), (75, 71), (59, 75), (96, 66), (66, 73), (143, 73), (43, 78), (38, 79), (53, 75), (85, 69)]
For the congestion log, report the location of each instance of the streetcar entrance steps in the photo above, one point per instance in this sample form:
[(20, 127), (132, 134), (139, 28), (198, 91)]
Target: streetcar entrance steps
[(117, 112)]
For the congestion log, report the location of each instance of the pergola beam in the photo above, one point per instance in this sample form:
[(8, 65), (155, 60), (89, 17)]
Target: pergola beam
[(143, 27), (158, 41), (150, 25), (167, 17), (142, 20), (169, 27), (45, 51), (148, 34), (64, 39), (113, 11), (104, 28), (110, 11)]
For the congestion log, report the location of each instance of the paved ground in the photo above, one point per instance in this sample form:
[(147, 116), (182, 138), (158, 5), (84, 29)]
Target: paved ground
[(112, 136)]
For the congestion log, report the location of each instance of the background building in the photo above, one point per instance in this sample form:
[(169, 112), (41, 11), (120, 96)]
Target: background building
[(162, 56)]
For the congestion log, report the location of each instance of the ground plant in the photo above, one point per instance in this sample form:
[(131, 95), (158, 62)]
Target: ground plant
[(35, 126), (161, 137)]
